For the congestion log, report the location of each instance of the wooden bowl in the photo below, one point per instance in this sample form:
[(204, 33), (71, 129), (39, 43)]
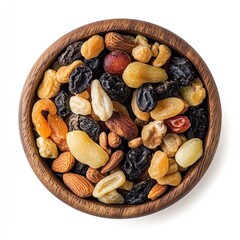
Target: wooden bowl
[(49, 179)]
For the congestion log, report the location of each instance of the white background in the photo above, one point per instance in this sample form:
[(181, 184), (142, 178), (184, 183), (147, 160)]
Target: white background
[(29, 211)]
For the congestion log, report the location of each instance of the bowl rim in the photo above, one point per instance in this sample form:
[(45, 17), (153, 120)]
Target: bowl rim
[(44, 173)]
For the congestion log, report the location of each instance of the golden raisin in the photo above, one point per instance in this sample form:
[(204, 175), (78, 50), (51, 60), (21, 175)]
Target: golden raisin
[(92, 47), (159, 165)]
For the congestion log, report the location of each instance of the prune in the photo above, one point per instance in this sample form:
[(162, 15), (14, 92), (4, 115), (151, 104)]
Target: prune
[(80, 79), (115, 87), (71, 54), (139, 192), (167, 89), (146, 98), (136, 160), (181, 70), (62, 104), (79, 168), (199, 123), (86, 124)]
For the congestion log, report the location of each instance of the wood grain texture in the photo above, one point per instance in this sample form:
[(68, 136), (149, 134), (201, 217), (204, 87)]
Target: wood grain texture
[(45, 174)]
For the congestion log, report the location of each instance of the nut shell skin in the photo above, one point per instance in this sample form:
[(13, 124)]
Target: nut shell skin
[(116, 62), (122, 125)]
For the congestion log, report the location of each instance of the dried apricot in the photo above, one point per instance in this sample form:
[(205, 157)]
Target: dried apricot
[(40, 123)]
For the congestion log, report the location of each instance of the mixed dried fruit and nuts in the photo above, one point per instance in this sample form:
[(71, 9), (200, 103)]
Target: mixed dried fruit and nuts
[(121, 117)]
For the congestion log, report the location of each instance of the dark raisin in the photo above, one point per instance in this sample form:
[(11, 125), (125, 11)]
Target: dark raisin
[(59, 175), (96, 64), (167, 89), (139, 192), (62, 104), (80, 79), (146, 98), (73, 123), (71, 53), (199, 123), (86, 124), (79, 168), (136, 160), (181, 70), (90, 126), (115, 87)]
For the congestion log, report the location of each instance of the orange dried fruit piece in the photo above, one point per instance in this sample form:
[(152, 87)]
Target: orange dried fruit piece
[(58, 126), (40, 123)]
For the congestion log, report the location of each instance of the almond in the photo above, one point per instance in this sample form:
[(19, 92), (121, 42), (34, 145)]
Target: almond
[(103, 142), (122, 125), (114, 160), (156, 191), (80, 185), (93, 175), (63, 163), (114, 140), (115, 41), (137, 142)]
